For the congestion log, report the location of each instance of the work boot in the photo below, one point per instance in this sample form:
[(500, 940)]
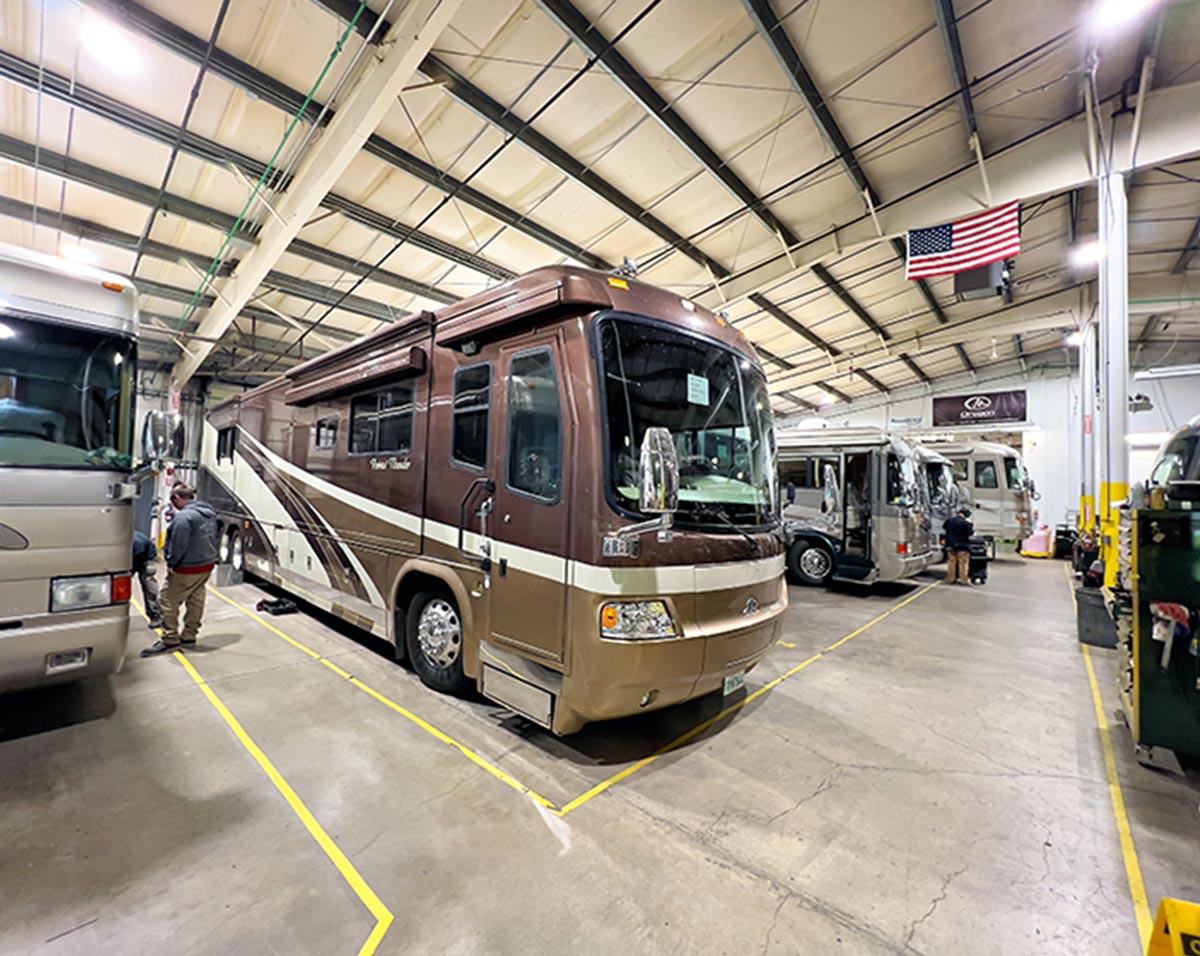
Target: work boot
[(159, 647)]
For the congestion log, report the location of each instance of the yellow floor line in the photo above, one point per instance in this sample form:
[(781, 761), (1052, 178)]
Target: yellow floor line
[(604, 785), (732, 709), (433, 731), (1133, 868), (374, 905)]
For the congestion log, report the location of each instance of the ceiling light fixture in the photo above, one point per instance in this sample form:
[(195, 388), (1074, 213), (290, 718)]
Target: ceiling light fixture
[(109, 44), (76, 253), (1109, 14), (1087, 254), (1074, 339)]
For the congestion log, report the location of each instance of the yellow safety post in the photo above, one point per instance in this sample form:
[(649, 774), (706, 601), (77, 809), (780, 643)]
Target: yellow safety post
[(1176, 930)]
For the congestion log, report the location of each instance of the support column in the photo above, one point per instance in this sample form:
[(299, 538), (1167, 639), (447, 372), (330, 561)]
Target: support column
[(1113, 393), (1087, 428)]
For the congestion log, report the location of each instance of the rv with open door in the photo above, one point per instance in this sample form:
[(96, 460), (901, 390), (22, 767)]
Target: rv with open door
[(855, 508), (68, 361), (1000, 490), (561, 490)]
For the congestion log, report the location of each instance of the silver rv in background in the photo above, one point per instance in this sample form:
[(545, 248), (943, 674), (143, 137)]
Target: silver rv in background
[(68, 366), (855, 508), (1000, 490)]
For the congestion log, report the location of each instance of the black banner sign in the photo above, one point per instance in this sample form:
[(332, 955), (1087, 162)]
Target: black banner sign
[(980, 408)]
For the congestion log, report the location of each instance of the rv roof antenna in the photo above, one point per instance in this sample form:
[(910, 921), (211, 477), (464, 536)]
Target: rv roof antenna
[(628, 269)]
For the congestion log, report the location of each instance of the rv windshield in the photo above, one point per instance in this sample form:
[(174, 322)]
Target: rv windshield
[(941, 482), (715, 403), (66, 396), (902, 481), (1014, 473)]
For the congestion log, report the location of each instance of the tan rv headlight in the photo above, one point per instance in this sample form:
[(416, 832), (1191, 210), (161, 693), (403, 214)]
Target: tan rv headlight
[(636, 621)]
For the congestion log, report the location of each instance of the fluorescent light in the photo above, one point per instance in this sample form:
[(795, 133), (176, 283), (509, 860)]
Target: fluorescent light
[(1168, 371), (77, 253), (1147, 439), (1107, 14), (109, 44), (1074, 339), (1087, 254)]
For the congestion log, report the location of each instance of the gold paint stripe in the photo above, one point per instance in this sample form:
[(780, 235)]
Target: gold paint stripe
[(732, 709)]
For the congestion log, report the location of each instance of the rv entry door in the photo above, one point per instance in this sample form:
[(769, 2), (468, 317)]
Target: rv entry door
[(856, 502), (532, 518)]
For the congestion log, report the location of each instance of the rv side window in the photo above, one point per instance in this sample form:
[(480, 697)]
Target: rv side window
[(817, 471), (325, 433), (959, 466), (382, 422), (226, 443), (472, 402), (534, 426), (985, 475), (796, 473), (1013, 473)]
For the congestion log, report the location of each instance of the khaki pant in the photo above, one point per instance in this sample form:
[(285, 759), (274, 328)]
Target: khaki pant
[(958, 567), (183, 590), (148, 575)]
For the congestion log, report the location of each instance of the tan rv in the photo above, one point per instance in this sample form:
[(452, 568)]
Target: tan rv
[(561, 490)]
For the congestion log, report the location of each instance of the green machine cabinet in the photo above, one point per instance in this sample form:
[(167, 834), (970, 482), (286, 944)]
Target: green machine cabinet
[(1165, 701)]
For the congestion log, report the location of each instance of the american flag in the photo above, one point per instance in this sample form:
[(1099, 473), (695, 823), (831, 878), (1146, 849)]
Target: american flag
[(966, 244)]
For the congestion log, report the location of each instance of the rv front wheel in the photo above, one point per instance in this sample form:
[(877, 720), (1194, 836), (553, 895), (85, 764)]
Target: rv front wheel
[(810, 563), (435, 642)]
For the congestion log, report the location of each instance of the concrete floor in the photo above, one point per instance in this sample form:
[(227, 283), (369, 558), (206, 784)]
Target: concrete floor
[(934, 785)]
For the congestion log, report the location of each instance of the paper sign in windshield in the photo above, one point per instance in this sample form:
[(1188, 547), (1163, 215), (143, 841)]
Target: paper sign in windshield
[(697, 389)]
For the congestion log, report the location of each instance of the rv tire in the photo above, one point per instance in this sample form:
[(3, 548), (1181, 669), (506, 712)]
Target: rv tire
[(810, 563), (434, 640)]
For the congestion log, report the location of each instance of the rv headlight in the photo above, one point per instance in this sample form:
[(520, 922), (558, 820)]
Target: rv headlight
[(636, 621), (75, 594)]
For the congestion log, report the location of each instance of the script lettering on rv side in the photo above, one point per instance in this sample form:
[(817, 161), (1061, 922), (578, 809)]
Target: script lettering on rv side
[(391, 464)]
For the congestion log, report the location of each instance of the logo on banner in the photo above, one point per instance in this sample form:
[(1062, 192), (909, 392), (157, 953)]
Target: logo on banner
[(977, 403)]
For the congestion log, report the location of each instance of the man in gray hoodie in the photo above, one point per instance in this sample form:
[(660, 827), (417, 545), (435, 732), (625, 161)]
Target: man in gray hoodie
[(191, 552)]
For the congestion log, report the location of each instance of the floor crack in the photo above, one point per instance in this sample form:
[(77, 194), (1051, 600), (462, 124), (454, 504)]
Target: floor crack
[(933, 905)]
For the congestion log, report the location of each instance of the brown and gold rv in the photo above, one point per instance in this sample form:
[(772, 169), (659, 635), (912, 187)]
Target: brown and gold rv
[(562, 490)]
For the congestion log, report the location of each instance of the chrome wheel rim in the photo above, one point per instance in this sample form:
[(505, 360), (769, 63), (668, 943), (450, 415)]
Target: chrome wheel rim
[(814, 562), (236, 555), (439, 633)]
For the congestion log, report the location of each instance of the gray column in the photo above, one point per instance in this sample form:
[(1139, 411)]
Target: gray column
[(1087, 427)]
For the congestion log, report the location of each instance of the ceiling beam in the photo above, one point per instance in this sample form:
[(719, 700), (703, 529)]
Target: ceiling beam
[(1052, 161), (78, 96), (260, 85), (947, 22), (775, 35), (1189, 249), (871, 380), (802, 330), (1020, 351), (836, 393), (849, 301), (964, 357), (370, 94), (914, 367)]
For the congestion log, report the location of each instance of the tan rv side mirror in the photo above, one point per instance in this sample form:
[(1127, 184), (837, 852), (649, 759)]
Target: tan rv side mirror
[(162, 436), (658, 473)]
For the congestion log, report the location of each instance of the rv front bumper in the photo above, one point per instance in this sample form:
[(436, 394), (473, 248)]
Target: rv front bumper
[(612, 679), (56, 648)]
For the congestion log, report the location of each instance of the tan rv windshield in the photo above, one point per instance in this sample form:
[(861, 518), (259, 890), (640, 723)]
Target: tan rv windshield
[(713, 400), (66, 396)]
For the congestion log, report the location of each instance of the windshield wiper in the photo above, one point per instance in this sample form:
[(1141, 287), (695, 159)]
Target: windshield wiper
[(710, 511)]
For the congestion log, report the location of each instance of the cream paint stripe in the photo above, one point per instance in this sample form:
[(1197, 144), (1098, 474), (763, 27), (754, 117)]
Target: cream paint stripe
[(598, 579), (404, 712), (368, 897), (1133, 868), (732, 709)]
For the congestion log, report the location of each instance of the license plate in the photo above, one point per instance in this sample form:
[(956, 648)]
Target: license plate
[(735, 682)]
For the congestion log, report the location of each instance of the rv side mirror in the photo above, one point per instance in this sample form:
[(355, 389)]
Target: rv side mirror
[(658, 472), (831, 502), (162, 436), (791, 492)]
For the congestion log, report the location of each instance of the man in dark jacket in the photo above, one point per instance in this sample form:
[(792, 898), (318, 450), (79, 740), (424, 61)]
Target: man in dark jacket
[(145, 566), (191, 553), (958, 547)]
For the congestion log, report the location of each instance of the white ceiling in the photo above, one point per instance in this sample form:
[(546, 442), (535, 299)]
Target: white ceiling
[(880, 65)]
